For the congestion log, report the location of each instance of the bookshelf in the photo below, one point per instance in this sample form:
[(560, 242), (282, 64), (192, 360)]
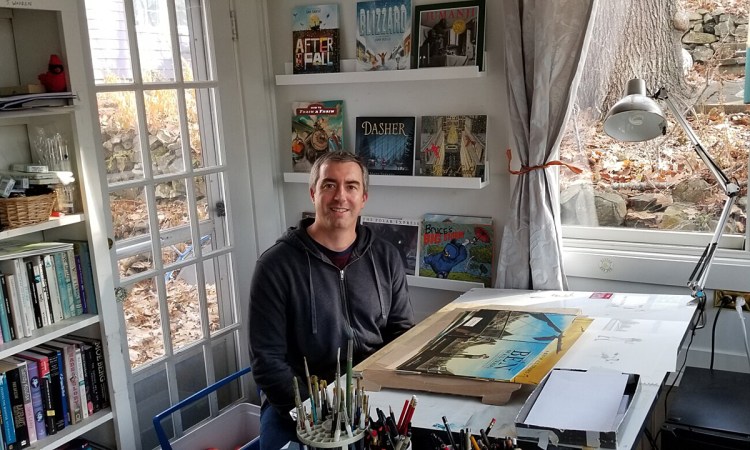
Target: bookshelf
[(31, 31)]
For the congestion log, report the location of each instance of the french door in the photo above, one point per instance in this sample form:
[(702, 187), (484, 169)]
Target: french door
[(165, 98)]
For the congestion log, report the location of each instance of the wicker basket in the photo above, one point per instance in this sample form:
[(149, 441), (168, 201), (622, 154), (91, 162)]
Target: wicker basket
[(23, 211)]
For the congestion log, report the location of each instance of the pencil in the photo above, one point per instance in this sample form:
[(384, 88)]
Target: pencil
[(474, 442), (349, 361), (489, 427), (448, 430)]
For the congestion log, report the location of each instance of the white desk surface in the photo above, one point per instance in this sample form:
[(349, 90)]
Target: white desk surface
[(632, 333)]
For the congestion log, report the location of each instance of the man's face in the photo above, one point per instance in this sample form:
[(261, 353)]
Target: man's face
[(338, 195)]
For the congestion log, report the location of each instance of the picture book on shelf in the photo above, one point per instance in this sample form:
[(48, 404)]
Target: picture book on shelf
[(386, 144), (315, 35), (498, 345), (457, 248), (402, 233), (449, 34), (383, 35), (317, 128), (453, 146)]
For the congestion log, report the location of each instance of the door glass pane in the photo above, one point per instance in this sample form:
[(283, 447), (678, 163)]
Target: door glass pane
[(191, 378), (163, 123), (121, 149), (171, 204), (152, 397), (184, 308), (108, 39), (129, 213), (225, 363), (154, 40), (143, 322), (200, 126), (129, 264), (191, 34), (218, 286)]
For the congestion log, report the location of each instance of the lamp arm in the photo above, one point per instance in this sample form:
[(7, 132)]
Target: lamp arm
[(729, 188), (697, 281)]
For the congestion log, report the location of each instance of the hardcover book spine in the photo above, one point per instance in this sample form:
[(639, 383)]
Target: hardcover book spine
[(93, 389), (35, 387), (18, 409), (19, 320), (36, 301), (24, 291), (74, 280), (6, 316), (59, 394), (84, 399), (50, 276), (64, 287), (9, 430), (82, 247), (28, 404)]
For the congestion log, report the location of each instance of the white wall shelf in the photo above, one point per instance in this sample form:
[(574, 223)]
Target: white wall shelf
[(46, 333), (71, 432), (442, 283), (22, 115), (348, 75), (48, 225), (405, 181)]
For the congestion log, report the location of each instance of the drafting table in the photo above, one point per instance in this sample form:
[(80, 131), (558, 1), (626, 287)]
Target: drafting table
[(632, 333)]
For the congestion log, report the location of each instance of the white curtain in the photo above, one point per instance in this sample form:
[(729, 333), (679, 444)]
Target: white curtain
[(545, 42)]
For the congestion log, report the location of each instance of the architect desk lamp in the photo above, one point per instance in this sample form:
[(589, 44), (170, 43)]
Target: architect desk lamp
[(638, 117)]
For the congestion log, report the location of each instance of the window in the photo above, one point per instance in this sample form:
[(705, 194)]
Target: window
[(658, 192)]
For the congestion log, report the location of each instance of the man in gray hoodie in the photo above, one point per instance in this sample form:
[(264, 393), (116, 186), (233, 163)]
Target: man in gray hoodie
[(324, 282)]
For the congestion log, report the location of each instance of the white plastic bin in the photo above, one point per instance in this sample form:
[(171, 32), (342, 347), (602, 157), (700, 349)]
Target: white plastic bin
[(236, 428)]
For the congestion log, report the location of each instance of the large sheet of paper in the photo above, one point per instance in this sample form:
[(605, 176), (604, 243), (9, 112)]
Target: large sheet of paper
[(576, 400)]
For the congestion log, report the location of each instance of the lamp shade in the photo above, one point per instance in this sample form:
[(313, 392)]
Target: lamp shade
[(636, 117)]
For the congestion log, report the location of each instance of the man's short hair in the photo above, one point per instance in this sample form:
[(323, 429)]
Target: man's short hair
[(338, 157)]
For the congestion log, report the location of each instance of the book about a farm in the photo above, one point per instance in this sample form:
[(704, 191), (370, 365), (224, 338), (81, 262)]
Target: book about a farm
[(402, 233), (383, 35), (315, 36), (453, 146), (457, 248), (498, 345), (386, 144), (317, 128)]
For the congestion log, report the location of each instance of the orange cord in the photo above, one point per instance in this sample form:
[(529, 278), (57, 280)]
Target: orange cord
[(526, 169)]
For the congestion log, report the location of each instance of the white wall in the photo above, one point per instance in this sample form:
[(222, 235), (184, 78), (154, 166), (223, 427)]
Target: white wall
[(485, 95)]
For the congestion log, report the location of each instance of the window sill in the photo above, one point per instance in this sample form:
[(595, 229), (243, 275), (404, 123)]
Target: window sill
[(653, 264)]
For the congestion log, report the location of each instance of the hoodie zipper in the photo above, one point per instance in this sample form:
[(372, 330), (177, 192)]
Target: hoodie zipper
[(345, 304)]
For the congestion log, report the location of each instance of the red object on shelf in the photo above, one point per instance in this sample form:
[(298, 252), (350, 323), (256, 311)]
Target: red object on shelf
[(54, 79)]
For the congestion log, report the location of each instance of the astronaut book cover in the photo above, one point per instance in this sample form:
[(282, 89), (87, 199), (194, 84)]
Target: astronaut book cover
[(498, 345), (386, 144), (402, 233), (457, 248), (315, 36), (317, 128), (383, 35), (453, 146)]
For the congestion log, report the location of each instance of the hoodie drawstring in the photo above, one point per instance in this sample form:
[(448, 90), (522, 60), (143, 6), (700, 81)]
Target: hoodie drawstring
[(377, 286), (313, 311)]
